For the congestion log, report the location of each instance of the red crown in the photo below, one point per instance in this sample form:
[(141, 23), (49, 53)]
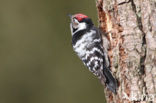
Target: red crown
[(80, 17)]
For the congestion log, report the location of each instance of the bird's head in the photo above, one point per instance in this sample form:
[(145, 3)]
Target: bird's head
[(80, 22)]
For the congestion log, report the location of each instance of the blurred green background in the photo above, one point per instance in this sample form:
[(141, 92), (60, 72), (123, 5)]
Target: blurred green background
[(37, 63)]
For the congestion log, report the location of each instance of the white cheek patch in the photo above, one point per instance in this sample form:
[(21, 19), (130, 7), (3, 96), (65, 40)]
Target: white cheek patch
[(81, 26)]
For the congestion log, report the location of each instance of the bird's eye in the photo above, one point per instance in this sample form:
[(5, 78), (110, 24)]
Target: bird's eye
[(75, 21)]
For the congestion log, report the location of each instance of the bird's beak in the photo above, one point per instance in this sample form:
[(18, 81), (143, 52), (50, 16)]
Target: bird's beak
[(70, 16)]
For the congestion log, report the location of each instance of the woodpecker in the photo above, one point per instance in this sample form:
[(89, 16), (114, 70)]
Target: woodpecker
[(87, 43)]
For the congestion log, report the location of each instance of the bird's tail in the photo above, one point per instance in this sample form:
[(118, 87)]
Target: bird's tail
[(110, 81)]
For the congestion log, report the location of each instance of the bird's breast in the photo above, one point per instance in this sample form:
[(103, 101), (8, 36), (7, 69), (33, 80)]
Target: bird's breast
[(83, 44)]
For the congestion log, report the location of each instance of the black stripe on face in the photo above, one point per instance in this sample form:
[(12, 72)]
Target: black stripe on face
[(74, 29)]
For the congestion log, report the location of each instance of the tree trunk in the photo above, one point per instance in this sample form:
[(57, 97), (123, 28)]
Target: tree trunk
[(130, 26)]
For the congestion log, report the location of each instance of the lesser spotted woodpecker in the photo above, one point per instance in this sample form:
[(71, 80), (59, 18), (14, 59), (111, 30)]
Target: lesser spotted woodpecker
[(87, 43)]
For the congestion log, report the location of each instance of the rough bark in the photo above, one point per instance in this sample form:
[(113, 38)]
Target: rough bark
[(130, 27)]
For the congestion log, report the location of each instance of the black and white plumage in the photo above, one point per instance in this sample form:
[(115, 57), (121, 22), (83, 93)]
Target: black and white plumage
[(87, 43)]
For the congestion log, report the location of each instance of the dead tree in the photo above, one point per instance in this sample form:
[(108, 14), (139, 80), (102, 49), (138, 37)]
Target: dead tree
[(130, 27)]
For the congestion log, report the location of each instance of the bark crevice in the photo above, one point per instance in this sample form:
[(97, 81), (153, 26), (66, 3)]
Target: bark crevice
[(132, 49), (140, 25), (143, 53)]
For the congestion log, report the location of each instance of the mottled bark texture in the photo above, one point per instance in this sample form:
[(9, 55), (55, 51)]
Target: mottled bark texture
[(130, 27)]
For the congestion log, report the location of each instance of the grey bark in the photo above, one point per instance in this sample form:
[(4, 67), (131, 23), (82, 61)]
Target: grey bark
[(131, 30)]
